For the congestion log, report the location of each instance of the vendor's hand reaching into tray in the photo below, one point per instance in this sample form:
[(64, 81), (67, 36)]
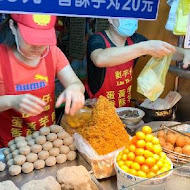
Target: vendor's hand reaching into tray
[(73, 98)]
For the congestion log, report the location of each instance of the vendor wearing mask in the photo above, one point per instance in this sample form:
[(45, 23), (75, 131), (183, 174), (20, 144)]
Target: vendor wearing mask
[(111, 55), (30, 61)]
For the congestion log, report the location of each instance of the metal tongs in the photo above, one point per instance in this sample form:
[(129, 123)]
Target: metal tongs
[(171, 128)]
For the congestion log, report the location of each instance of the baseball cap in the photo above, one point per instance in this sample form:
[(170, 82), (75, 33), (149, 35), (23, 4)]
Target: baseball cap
[(36, 29)]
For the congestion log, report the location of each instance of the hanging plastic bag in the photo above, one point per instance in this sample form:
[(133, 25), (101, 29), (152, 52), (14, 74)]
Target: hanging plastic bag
[(186, 6), (180, 27), (151, 80)]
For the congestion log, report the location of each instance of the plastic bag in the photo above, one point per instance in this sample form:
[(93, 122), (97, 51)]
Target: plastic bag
[(102, 165), (151, 80)]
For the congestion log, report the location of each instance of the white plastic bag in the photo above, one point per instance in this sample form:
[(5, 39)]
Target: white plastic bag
[(151, 80), (102, 166)]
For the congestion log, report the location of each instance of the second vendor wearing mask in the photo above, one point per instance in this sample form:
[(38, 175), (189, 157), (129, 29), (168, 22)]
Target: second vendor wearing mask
[(111, 55)]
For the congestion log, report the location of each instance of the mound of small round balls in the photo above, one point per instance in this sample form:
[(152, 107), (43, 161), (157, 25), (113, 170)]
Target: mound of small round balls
[(47, 147)]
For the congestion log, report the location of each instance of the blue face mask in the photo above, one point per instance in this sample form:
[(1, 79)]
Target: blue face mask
[(127, 27)]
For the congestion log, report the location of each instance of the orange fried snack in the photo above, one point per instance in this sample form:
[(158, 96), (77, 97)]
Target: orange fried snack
[(105, 131)]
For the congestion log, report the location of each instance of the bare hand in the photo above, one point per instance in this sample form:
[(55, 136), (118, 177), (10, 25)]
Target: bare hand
[(157, 48), (73, 98), (28, 104)]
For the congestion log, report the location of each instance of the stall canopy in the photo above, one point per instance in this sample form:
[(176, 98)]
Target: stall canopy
[(141, 9)]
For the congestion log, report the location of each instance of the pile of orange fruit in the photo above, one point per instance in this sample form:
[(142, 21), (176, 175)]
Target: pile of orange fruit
[(143, 157)]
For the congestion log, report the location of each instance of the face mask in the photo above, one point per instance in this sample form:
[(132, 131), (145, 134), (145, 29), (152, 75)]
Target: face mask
[(127, 27), (32, 57)]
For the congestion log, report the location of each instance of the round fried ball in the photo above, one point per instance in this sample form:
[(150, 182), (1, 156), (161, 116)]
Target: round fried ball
[(186, 150), (27, 167), (44, 131), (32, 157), (10, 162), (161, 134), (19, 139), (2, 166), (72, 146), (35, 134), (169, 146), (55, 128), (71, 155), (178, 150), (51, 137), (7, 151), (171, 138), (51, 161), (36, 148), (11, 143), (15, 153), (68, 141), (43, 155), (61, 158), (40, 140), (54, 152), (29, 137), (64, 149), (15, 170), (181, 141), (31, 142), (24, 150), (162, 141), (13, 147), (62, 135), (57, 143), (21, 143), (9, 156), (39, 164), (19, 160), (47, 146)]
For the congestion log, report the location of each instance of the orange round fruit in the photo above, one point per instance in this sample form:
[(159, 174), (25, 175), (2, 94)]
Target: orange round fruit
[(149, 138), (146, 129), (149, 146), (132, 172), (171, 138), (156, 157), (139, 151), (126, 151), (140, 159), (131, 156), (145, 168), (154, 168), (132, 148), (124, 157), (128, 163), (120, 163), (147, 154), (157, 149), (125, 168), (135, 166), (141, 143), (151, 174), (155, 140), (140, 135), (150, 161), (159, 164), (178, 149), (162, 141), (141, 174)]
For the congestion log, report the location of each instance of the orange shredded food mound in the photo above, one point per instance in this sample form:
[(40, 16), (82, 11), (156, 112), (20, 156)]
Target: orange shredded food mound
[(105, 131)]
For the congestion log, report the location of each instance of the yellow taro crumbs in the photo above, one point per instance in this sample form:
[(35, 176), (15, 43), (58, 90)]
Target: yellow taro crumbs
[(105, 131)]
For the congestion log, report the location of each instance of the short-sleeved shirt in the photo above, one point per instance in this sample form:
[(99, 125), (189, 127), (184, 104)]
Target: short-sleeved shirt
[(95, 74), (24, 74)]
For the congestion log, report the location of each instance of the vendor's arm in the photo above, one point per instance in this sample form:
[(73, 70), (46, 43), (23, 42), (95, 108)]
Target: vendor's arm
[(118, 55), (25, 103), (73, 95), (182, 54)]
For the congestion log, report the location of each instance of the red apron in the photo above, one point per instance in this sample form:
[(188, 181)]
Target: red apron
[(117, 82), (15, 124)]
